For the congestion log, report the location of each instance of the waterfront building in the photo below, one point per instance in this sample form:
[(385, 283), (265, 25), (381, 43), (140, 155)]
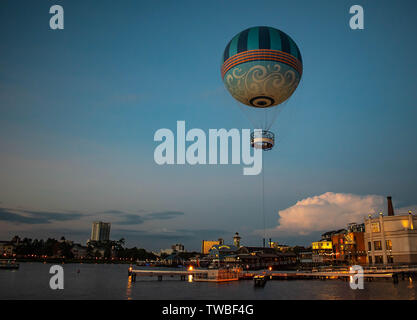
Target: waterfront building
[(265, 257), (79, 251), (341, 246), (208, 244), (305, 257), (391, 239), (322, 251), (220, 251), (6, 248), (100, 231), (349, 245)]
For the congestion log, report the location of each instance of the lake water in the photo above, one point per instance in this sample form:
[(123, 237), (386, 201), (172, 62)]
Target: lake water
[(107, 281)]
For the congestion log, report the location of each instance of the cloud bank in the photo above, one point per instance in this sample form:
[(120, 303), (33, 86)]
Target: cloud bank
[(328, 211), (36, 217), (31, 217)]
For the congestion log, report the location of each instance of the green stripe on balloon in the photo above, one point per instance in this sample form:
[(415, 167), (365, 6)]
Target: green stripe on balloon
[(275, 39), (253, 39), (233, 45)]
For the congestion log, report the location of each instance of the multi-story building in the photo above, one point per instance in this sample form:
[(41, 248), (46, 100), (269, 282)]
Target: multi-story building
[(305, 257), (392, 238), (208, 244), (322, 251), (100, 231), (349, 244)]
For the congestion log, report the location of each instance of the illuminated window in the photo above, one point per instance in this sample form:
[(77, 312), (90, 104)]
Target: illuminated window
[(377, 246), (375, 227), (388, 244)]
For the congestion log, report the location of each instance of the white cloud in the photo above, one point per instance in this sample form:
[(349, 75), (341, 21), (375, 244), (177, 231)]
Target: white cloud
[(325, 212)]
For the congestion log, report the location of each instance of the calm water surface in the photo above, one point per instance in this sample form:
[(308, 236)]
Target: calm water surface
[(98, 281)]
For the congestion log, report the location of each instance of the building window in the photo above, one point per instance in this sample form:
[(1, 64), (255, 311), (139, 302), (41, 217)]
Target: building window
[(369, 246), (390, 259), (377, 246), (370, 259), (388, 244), (375, 227), (379, 259)]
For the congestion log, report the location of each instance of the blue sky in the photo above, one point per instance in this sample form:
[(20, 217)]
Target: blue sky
[(79, 108)]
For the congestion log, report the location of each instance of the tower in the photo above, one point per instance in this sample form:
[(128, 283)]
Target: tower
[(390, 206), (236, 240)]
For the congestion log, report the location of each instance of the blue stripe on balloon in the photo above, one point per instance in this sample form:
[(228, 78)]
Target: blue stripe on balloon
[(264, 38)]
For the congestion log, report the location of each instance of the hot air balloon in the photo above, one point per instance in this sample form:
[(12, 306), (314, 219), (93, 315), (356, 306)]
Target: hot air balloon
[(261, 68)]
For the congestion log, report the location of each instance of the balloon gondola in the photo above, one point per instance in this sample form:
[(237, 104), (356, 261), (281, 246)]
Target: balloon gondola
[(264, 140)]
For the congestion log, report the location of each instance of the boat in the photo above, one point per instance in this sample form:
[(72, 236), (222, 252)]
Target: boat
[(8, 264), (259, 280)]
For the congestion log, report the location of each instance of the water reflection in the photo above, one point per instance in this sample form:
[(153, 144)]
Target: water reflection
[(129, 288), (411, 286), (110, 281)]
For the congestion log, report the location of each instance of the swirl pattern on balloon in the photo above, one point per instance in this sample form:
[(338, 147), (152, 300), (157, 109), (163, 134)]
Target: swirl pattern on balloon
[(261, 84)]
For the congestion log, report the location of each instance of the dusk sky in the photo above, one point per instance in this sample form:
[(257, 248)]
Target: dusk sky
[(79, 108)]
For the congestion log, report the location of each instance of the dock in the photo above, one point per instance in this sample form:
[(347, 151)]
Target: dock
[(369, 274), (225, 275), (202, 275)]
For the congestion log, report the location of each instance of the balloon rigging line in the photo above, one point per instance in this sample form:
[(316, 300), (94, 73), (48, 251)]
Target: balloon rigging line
[(263, 199)]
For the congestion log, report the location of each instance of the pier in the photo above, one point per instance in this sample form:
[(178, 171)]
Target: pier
[(203, 275), (225, 275), (369, 274)]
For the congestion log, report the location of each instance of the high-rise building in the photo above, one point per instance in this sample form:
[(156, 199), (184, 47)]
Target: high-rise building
[(100, 231)]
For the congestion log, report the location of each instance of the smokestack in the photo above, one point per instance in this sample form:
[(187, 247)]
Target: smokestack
[(390, 207)]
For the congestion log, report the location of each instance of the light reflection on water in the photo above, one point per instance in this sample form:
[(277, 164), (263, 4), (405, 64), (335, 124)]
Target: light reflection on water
[(129, 288), (95, 281)]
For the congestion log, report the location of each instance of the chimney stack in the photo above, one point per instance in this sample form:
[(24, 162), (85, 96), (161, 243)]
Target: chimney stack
[(390, 207)]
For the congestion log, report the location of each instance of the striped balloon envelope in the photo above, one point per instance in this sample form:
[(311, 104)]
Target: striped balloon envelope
[(261, 67)]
